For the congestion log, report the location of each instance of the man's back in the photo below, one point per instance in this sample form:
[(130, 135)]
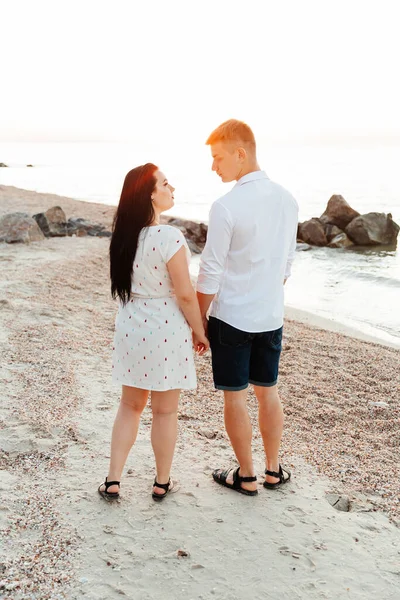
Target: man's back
[(250, 246)]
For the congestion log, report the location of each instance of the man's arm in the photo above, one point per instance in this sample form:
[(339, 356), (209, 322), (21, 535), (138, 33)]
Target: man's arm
[(291, 255), (204, 301), (213, 258)]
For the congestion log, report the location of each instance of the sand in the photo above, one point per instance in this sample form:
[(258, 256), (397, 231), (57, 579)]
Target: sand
[(341, 401)]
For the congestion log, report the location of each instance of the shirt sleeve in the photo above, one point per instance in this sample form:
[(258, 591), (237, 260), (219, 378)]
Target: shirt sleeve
[(175, 241), (291, 255), (212, 263)]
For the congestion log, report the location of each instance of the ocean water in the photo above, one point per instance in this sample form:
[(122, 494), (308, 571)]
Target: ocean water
[(359, 287)]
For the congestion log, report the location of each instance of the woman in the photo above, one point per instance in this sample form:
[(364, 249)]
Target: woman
[(149, 268)]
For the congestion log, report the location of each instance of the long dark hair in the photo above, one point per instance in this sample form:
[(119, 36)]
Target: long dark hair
[(135, 211)]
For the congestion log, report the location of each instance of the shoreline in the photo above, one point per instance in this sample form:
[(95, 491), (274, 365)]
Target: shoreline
[(20, 199), (319, 322)]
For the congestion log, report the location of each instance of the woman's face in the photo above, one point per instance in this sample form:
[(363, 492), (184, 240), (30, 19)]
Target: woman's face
[(163, 195)]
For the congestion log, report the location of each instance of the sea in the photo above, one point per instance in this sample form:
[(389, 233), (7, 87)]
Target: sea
[(356, 287)]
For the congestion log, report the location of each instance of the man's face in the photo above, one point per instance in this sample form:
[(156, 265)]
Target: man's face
[(226, 161)]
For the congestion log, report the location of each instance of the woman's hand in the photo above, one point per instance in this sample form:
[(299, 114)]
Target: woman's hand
[(200, 343)]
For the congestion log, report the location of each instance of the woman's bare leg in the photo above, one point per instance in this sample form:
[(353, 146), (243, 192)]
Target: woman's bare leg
[(125, 429), (164, 432)]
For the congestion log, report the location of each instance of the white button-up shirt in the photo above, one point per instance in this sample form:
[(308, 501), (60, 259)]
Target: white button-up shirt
[(250, 248)]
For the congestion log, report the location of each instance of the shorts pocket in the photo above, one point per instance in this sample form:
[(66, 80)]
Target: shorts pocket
[(230, 336), (276, 340)]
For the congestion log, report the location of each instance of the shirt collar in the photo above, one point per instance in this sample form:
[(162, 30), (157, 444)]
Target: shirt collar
[(253, 176)]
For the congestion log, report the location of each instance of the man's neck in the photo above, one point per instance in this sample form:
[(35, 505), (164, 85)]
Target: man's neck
[(248, 169)]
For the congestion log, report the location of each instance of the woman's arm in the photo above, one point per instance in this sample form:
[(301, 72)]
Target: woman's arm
[(186, 296)]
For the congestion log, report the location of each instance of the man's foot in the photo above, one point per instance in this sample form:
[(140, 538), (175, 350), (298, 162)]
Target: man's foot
[(231, 479), (274, 479)]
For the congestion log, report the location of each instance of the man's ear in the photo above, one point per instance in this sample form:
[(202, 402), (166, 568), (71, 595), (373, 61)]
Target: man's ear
[(241, 154)]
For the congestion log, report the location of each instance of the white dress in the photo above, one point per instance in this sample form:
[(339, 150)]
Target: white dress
[(153, 342)]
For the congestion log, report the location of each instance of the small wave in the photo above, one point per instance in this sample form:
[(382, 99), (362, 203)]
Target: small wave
[(380, 279)]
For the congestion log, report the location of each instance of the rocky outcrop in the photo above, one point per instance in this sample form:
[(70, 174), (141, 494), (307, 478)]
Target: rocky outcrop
[(338, 212), (373, 229), (53, 222), (195, 233), (332, 231), (312, 232), (19, 228), (340, 241), (81, 227), (3, 164), (340, 226)]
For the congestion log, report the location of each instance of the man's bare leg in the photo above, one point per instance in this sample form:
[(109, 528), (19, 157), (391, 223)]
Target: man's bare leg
[(270, 417), (238, 428)]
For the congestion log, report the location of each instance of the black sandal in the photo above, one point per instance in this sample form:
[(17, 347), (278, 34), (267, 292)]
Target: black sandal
[(164, 486), (281, 475), (109, 496), (221, 476)]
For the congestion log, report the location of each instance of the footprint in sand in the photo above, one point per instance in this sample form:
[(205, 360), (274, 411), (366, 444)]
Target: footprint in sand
[(295, 510)]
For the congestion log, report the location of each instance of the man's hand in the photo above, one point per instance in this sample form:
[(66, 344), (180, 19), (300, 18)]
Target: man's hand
[(205, 325)]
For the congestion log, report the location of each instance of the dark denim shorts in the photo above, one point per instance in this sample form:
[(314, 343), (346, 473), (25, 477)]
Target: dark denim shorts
[(240, 358)]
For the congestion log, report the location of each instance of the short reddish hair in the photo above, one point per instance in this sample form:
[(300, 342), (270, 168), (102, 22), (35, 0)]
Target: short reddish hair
[(233, 131)]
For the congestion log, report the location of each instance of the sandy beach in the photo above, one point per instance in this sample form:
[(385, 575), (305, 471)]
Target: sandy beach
[(341, 397)]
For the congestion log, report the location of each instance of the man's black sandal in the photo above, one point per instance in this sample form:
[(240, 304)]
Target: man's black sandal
[(109, 496), (221, 476), (280, 475), (164, 486)]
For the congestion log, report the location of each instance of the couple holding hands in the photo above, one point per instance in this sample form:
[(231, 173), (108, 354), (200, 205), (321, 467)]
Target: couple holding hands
[(247, 258)]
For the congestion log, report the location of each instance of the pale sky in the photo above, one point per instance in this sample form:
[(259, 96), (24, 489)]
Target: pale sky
[(110, 70)]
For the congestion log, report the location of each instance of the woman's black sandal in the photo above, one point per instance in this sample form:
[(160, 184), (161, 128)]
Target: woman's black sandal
[(164, 486), (109, 496), (280, 475), (221, 476)]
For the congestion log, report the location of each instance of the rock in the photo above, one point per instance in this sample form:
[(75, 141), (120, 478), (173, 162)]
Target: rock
[(338, 212), (53, 222), (312, 232), (80, 227), (19, 228), (29, 165), (332, 231), (340, 241), (3, 164), (194, 248), (182, 553), (373, 229), (195, 232)]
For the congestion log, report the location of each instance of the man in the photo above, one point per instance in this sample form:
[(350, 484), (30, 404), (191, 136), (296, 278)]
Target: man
[(250, 247)]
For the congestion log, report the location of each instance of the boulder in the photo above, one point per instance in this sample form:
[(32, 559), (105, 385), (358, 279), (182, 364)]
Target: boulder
[(81, 227), (194, 248), (338, 212), (373, 229), (3, 164), (340, 241), (196, 232), (312, 232), (332, 231), (53, 222), (19, 227)]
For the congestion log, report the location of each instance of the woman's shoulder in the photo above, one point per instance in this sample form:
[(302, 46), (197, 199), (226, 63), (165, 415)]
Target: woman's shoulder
[(170, 232)]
